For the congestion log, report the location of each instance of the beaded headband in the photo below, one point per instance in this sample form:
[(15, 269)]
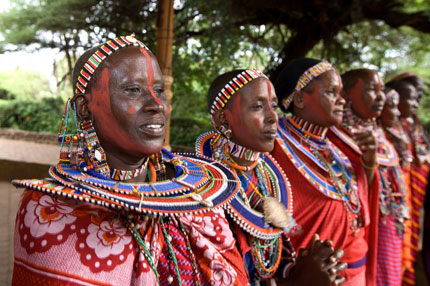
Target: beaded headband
[(100, 55), (311, 73), (389, 96), (233, 86)]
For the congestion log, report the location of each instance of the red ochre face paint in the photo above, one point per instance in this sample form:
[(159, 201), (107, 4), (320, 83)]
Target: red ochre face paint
[(121, 117), (131, 110), (251, 118), (108, 130), (150, 75)]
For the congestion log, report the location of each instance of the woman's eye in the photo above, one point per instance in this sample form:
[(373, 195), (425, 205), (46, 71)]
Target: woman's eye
[(158, 90), (133, 89)]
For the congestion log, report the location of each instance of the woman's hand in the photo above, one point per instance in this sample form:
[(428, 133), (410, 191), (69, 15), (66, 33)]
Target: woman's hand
[(366, 141), (317, 265)]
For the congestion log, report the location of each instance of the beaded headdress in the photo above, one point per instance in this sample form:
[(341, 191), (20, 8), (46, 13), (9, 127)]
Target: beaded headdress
[(100, 55), (311, 73), (390, 95), (296, 76), (236, 83), (404, 75)]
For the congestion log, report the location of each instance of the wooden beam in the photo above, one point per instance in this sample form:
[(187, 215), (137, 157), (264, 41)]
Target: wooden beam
[(164, 52)]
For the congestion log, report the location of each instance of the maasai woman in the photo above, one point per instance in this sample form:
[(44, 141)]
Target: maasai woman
[(117, 208), (363, 90), (390, 121), (408, 105), (242, 105), (329, 174)]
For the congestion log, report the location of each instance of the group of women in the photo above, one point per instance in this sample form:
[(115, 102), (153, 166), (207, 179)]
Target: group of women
[(327, 195)]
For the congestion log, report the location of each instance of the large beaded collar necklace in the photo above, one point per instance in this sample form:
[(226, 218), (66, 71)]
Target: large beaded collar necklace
[(299, 134), (199, 184), (392, 197), (332, 177), (400, 140), (250, 210), (223, 145), (248, 218), (386, 154)]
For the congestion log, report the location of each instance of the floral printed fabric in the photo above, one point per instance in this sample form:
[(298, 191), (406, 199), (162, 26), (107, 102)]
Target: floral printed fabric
[(61, 241)]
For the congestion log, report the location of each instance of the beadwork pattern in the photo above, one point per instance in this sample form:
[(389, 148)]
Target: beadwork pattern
[(233, 86), (248, 219), (202, 184), (100, 55)]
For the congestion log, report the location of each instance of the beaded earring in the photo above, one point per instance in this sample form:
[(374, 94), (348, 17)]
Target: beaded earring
[(225, 131), (218, 150), (72, 140), (92, 153), (84, 150)]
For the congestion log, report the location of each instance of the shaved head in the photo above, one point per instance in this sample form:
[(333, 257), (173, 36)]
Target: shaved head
[(350, 78), (218, 84)]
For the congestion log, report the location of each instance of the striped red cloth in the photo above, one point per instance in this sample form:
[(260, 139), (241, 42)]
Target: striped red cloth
[(388, 269)]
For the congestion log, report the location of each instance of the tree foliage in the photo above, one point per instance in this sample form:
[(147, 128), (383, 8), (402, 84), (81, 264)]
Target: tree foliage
[(24, 84), (211, 37)]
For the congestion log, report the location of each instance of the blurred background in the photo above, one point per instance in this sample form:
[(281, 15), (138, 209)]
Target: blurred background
[(41, 39)]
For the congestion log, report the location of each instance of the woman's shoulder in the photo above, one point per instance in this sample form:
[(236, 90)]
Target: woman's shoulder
[(61, 238)]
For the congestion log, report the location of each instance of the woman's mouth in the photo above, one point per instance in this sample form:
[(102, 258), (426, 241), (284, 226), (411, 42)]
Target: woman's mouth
[(152, 129), (271, 134)]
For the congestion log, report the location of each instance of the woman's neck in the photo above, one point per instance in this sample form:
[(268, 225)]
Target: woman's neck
[(308, 128)]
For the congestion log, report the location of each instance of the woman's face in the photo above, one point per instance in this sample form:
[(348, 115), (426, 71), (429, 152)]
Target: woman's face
[(390, 114), (368, 97), (408, 102), (324, 105), (251, 116), (128, 104)]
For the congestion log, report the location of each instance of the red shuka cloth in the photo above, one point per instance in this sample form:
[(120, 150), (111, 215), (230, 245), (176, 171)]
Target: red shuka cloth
[(317, 213)]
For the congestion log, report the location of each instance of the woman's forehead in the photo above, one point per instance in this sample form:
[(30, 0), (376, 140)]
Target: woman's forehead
[(134, 63)]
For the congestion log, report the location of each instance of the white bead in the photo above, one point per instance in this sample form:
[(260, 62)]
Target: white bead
[(98, 155), (170, 279)]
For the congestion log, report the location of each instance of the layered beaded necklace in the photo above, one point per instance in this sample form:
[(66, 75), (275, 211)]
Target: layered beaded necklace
[(401, 142), (331, 174), (392, 198), (124, 175), (265, 180)]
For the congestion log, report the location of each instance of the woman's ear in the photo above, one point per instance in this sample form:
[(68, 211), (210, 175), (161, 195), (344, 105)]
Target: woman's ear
[(298, 100), (219, 119), (82, 110)]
